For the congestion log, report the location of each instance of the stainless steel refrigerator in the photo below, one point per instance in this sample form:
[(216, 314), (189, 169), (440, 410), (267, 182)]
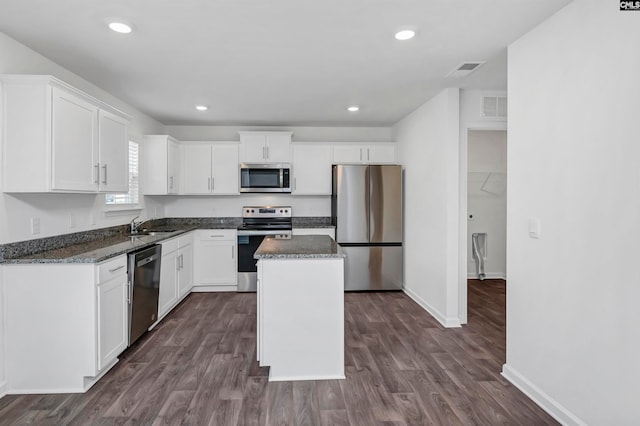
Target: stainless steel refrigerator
[(366, 209)]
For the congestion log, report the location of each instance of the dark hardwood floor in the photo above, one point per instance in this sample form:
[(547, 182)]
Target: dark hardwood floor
[(198, 367)]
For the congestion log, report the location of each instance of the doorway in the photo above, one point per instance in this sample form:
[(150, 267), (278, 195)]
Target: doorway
[(483, 207)]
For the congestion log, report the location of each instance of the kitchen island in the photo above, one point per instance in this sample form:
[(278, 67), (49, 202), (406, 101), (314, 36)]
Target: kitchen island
[(300, 317)]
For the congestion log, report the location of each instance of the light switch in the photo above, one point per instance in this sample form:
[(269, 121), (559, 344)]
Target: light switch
[(534, 228)]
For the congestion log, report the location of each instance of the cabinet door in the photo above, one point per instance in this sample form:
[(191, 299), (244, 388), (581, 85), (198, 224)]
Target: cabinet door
[(114, 152), (216, 263), (381, 154), (113, 332), (312, 170), (278, 148), (185, 273), (168, 294), (225, 179), (174, 167), (348, 154), (254, 148), (197, 169), (75, 143)]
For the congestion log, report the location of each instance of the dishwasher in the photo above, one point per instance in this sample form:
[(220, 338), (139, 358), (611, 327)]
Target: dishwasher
[(144, 287)]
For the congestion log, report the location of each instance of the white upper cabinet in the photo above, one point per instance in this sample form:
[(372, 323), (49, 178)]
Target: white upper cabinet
[(161, 165), (311, 169), (114, 155), (265, 147), (59, 139), (211, 168), (374, 153), (74, 150)]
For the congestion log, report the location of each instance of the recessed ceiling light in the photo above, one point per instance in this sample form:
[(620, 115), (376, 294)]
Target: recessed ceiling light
[(405, 34), (202, 107), (353, 108), (120, 27)]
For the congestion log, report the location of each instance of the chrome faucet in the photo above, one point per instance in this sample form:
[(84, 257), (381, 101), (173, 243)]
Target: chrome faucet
[(133, 227)]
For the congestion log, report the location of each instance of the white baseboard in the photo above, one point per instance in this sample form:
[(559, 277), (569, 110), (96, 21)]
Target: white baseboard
[(488, 276), (3, 389), (213, 288), (537, 395), (304, 378), (448, 322)]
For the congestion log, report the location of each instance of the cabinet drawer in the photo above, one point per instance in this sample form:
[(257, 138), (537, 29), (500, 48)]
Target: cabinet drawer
[(112, 268), (216, 235)]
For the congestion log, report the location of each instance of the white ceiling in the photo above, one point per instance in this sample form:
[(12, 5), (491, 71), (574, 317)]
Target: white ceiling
[(276, 62)]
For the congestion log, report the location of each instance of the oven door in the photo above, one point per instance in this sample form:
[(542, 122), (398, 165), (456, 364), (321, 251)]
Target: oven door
[(247, 265)]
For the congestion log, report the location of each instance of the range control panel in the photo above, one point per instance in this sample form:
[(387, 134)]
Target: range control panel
[(266, 212)]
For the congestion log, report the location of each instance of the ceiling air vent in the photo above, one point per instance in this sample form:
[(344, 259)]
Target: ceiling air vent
[(464, 69), (494, 106)]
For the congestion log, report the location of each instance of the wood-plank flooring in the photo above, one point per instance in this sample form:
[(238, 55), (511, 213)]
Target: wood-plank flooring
[(198, 368)]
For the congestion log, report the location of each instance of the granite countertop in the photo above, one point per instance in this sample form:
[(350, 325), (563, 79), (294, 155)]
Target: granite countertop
[(102, 244), (299, 247), (95, 251)]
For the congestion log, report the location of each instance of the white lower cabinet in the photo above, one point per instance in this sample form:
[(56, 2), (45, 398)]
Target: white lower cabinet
[(176, 272), (113, 330), (215, 260), (65, 324), (331, 231)]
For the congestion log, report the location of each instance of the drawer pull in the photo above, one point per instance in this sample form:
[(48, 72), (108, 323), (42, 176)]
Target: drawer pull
[(116, 269)]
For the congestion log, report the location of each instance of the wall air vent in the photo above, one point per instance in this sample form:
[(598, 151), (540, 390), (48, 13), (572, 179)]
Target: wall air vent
[(494, 106), (464, 69)]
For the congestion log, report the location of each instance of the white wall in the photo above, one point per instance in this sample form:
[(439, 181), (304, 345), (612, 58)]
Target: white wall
[(428, 149), (573, 163), (54, 209), (487, 199), (226, 206)]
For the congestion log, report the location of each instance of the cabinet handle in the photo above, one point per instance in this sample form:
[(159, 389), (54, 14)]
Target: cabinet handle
[(116, 269), (360, 154), (213, 184), (368, 159), (177, 263), (264, 155), (182, 261), (295, 184), (233, 252), (216, 236), (97, 170), (267, 153), (105, 174), (170, 182), (128, 292), (208, 184)]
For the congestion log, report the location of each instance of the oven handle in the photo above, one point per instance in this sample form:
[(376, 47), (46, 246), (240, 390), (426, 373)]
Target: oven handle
[(261, 232)]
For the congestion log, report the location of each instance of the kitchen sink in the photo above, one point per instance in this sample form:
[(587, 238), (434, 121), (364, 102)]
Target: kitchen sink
[(152, 233)]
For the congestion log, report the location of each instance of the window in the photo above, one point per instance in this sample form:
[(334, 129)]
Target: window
[(132, 198)]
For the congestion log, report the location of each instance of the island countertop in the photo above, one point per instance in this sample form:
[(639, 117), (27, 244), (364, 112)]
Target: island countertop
[(299, 247)]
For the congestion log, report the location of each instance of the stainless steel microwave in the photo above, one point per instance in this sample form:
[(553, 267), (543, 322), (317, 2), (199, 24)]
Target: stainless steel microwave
[(265, 177)]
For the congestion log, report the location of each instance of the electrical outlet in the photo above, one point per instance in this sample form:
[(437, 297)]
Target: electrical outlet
[(35, 225)]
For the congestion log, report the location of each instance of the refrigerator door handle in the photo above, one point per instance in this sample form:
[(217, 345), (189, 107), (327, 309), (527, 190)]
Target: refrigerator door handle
[(367, 192)]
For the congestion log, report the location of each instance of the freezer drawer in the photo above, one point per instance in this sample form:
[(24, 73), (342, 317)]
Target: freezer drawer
[(373, 268)]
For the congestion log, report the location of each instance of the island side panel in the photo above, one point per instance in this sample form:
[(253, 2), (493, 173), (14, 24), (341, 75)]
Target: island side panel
[(302, 318)]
